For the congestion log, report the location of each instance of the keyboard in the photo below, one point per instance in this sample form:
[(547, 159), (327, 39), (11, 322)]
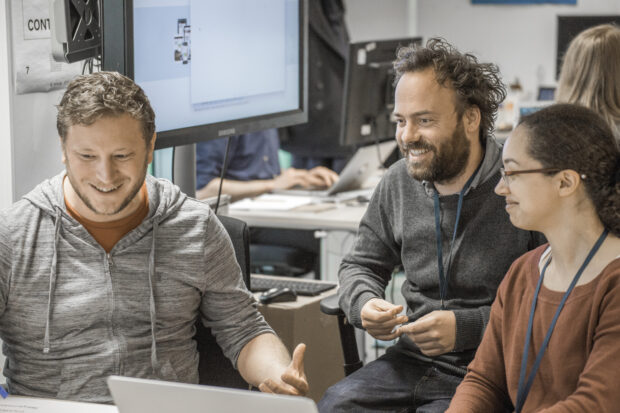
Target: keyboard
[(301, 287)]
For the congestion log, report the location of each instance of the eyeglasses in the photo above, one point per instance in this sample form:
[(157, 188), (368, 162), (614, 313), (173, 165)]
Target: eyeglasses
[(506, 175)]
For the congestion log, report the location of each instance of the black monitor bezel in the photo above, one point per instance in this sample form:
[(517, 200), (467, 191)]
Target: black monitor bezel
[(117, 55), (347, 135)]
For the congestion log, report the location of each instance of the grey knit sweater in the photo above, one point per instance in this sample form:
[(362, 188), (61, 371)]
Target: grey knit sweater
[(399, 229), (71, 315)]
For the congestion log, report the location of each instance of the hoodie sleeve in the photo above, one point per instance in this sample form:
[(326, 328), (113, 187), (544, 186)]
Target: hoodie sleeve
[(5, 262), (366, 271), (227, 307)]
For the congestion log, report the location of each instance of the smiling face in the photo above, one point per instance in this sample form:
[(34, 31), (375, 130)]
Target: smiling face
[(429, 131), (106, 166), (532, 198)]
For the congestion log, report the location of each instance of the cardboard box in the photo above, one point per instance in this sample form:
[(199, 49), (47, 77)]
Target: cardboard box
[(302, 321)]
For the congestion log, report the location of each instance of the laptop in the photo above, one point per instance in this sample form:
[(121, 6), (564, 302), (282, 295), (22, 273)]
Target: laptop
[(133, 395), (366, 161)]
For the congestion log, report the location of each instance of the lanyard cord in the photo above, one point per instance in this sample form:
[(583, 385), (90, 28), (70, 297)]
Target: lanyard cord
[(524, 388), (443, 276)]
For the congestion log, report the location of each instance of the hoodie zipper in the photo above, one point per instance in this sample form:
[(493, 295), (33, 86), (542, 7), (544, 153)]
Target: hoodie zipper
[(116, 336)]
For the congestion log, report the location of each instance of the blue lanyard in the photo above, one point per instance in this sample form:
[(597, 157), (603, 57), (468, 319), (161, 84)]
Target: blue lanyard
[(443, 276), (524, 388)]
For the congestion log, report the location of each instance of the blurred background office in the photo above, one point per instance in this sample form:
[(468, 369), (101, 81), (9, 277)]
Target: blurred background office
[(520, 38)]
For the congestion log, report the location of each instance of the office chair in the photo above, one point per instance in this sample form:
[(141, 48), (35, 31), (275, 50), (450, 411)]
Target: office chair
[(352, 362), (277, 251), (214, 368)]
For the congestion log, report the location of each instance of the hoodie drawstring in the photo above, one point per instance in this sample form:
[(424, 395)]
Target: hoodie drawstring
[(52, 287), (153, 313)]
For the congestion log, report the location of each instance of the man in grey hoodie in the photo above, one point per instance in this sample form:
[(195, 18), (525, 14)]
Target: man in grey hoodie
[(436, 214), (104, 270)]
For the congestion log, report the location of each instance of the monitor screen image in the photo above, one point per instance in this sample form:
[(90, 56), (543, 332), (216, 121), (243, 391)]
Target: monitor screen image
[(369, 91), (571, 26), (215, 68), (527, 108), (546, 93)]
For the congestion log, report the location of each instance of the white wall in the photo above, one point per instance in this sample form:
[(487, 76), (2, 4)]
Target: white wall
[(520, 39), (36, 148), (377, 19), (6, 179)]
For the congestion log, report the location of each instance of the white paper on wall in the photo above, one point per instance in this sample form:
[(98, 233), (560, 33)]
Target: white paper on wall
[(34, 68)]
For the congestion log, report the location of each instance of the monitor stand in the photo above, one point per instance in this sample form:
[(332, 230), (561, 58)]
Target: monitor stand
[(184, 172)]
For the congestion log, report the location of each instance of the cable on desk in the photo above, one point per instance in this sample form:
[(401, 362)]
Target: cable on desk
[(223, 174)]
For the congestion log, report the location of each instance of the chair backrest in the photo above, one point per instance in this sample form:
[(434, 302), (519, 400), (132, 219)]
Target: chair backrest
[(240, 236), (214, 368)]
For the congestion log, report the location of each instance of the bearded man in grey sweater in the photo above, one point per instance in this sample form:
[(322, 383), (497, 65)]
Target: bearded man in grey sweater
[(105, 270), (435, 214)]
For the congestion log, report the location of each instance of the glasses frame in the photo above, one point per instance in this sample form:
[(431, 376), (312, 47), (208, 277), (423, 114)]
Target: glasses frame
[(507, 174)]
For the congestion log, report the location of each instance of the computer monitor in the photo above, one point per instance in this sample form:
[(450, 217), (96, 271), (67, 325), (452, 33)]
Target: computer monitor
[(211, 68), (546, 93), (369, 92), (571, 26), (527, 108)]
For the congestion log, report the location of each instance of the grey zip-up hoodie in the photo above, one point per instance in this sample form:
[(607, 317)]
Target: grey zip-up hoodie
[(71, 315)]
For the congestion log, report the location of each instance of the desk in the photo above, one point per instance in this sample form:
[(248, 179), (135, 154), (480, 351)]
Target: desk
[(23, 404), (335, 223), (341, 216)]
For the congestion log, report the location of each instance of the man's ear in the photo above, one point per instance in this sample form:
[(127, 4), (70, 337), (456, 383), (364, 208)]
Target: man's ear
[(568, 182), (151, 147), (471, 119)]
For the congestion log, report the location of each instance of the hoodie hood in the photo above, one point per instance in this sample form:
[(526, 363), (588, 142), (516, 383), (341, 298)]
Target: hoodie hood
[(165, 198)]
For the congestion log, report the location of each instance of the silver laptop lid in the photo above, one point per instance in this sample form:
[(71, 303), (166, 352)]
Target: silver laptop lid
[(153, 396), (365, 162), (361, 166)]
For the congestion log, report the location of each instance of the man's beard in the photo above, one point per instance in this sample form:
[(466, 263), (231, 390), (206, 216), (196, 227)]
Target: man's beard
[(448, 161), (132, 194)]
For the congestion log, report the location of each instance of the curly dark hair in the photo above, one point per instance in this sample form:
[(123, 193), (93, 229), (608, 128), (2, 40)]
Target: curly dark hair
[(475, 84), (90, 97), (568, 136)]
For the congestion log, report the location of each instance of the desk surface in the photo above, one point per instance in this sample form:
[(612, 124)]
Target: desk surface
[(313, 217)]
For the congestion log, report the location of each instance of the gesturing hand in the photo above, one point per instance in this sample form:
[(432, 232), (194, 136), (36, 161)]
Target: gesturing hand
[(434, 334), (380, 318), (293, 381)]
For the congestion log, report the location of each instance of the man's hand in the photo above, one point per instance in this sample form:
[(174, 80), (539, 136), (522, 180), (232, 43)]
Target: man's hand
[(290, 178), (322, 177), (380, 318), (434, 334), (319, 177), (293, 381)]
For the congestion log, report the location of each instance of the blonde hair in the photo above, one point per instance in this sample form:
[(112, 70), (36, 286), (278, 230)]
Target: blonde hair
[(590, 73)]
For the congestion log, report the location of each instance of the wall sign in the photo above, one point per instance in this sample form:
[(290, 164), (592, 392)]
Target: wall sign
[(34, 68)]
